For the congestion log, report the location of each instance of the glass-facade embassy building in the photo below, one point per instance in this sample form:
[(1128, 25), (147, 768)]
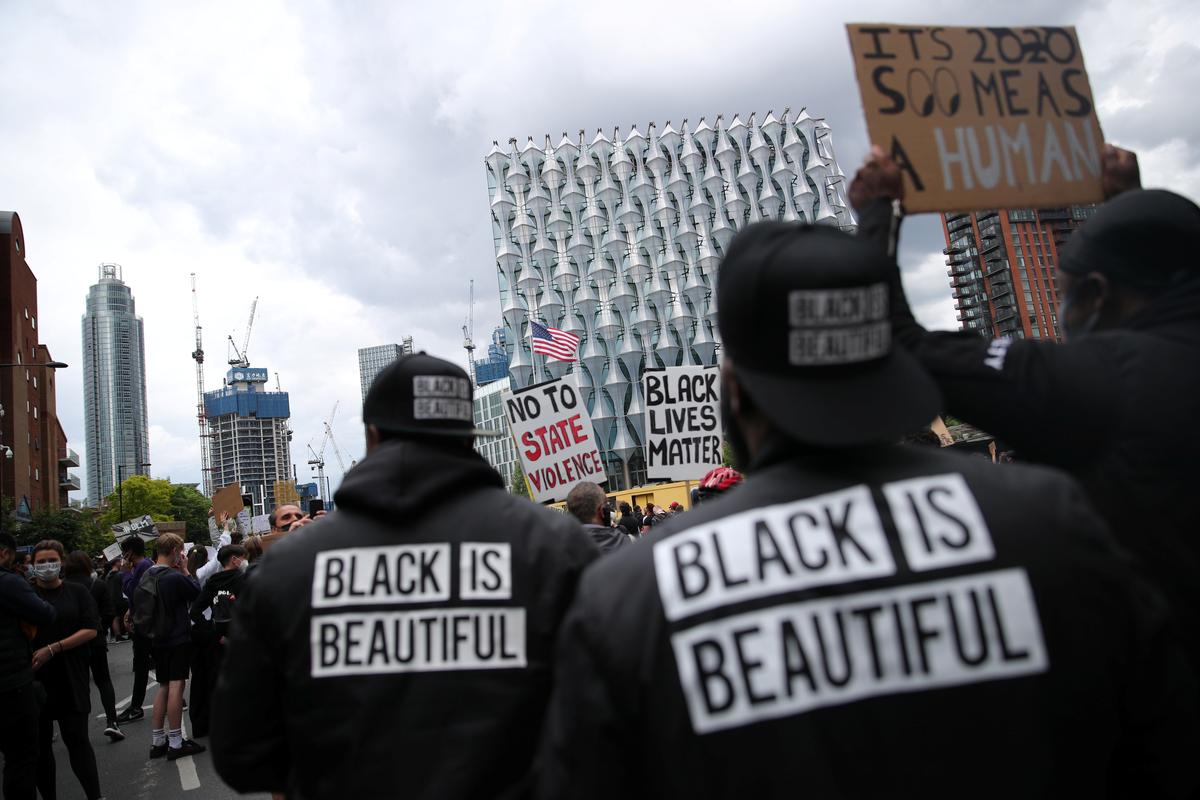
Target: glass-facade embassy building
[(617, 240)]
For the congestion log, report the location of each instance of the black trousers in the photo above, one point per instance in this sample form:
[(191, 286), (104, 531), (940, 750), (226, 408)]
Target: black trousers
[(141, 670), (19, 740), (100, 676), (206, 663), (74, 729)]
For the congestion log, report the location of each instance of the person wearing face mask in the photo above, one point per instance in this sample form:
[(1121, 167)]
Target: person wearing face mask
[(21, 613), (60, 665), (1114, 404), (860, 618)]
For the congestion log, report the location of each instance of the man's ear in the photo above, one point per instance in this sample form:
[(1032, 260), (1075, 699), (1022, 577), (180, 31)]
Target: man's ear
[(730, 386), (373, 437)]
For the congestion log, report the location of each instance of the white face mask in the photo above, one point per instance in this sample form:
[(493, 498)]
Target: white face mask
[(47, 570), (242, 567)]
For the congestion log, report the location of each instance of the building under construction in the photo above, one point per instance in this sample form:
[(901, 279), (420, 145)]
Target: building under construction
[(249, 436)]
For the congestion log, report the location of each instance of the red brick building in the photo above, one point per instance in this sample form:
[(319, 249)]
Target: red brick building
[(1001, 268), (36, 476)]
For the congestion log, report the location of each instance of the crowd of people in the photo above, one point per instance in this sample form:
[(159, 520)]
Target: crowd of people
[(59, 612), (847, 615)]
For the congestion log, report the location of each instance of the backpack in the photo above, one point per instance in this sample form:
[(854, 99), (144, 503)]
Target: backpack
[(149, 613), (222, 611)]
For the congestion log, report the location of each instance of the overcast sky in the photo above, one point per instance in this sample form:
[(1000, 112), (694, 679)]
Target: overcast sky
[(328, 157)]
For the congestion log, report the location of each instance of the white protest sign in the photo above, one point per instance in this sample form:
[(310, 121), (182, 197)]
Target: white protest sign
[(260, 524), (683, 422), (243, 521), (553, 433), (113, 552)]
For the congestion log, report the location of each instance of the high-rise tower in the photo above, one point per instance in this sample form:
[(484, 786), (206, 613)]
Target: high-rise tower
[(618, 240), (1001, 266), (249, 436), (114, 386)]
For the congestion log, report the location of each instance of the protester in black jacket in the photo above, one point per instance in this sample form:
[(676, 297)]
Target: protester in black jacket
[(60, 665), (78, 569), (1115, 404), (860, 619), (629, 521), (401, 646), (211, 615), (588, 504), (21, 611)]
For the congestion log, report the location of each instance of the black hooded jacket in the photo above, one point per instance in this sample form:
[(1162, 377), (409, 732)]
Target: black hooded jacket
[(1116, 408), (401, 646), (894, 623)]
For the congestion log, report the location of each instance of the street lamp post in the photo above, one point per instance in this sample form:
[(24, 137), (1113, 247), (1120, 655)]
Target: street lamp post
[(120, 493), (6, 452)]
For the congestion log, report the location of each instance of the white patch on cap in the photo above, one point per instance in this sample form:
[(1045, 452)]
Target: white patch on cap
[(838, 326), (442, 397)]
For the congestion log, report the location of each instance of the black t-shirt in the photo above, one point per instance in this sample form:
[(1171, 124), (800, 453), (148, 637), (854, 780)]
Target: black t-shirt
[(65, 675)]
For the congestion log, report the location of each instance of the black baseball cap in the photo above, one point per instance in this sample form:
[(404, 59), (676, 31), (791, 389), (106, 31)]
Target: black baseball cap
[(1146, 238), (422, 395), (803, 314)]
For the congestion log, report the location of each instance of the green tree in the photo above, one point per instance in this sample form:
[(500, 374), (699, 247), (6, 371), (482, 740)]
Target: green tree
[(77, 530), (139, 495), (191, 507), (519, 486)]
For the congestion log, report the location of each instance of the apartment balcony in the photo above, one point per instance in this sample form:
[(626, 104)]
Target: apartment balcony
[(958, 248), (71, 459), (68, 482), (958, 224), (1005, 314), (985, 216), (1049, 214)]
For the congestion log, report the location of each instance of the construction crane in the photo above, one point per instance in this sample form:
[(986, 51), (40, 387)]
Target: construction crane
[(201, 417), (243, 359), (330, 438), (469, 332), (318, 461)]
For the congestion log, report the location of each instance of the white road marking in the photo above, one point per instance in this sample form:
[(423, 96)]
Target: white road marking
[(188, 779), (121, 705)]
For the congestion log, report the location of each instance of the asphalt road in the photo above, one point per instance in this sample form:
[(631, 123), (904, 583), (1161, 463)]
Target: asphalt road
[(126, 773)]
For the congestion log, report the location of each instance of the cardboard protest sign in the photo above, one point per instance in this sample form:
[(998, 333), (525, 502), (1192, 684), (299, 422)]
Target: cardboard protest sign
[(228, 500), (981, 118), (113, 552), (553, 433), (683, 422), (939, 428)]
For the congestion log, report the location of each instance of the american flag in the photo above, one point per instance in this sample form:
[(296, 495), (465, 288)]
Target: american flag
[(552, 342)]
